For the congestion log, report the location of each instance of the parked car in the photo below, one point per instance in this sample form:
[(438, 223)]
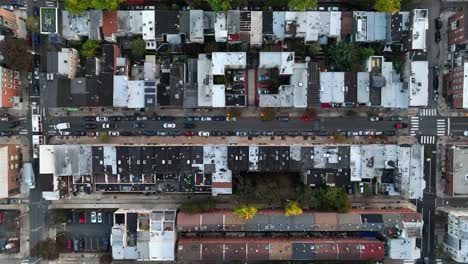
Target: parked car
[(104, 244), (69, 244), (93, 217), (142, 118), (437, 37), (203, 133), (14, 124), (138, 125), (254, 133), (293, 133), (190, 133), (102, 118), (435, 82), (238, 78), (401, 125), (82, 218), (99, 217), (115, 118), (229, 133), (174, 133), (396, 118), (231, 118), (76, 245), (6, 133), (219, 118), (280, 133), (283, 118), (91, 134), (114, 133), (167, 118), (263, 77), (267, 133), (162, 133), (205, 118), (375, 118), (438, 23), (465, 133), (89, 118), (389, 133), (241, 133), (216, 133), (126, 133), (150, 133), (90, 126), (169, 125), (79, 133), (129, 118)]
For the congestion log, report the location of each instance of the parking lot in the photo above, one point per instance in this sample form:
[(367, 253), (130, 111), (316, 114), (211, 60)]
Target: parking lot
[(92, 235)]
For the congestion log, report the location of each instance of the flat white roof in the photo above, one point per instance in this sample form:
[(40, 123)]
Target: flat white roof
[(136, 94), (220, 28), (410, 165), (299, 82), (47, 160), (148, 25), (332, 87), (284, 61), (335, 23), (196, 26), (363, 81), (205, 80), (120, 94), (219, 95), (393, 95), (232, 60), (465, 85), (278, 24), (256, 27), (420, 25), (418, 83)]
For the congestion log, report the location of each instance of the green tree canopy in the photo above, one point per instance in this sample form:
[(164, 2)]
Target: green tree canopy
[(302, 5), (78, 6), (138, 49), (365, 53), (32, 23), (389, 6), (324, 199), (89, 48), (220, 5), (342, 56), (246, 211), (293, 208)]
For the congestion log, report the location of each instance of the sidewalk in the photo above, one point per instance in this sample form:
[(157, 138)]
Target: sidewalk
[(245, 112), (273, 141)]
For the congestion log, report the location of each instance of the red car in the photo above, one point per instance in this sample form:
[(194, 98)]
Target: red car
[(82, 218), (401, 125), (306, 118), (70, 244), (190, 133)]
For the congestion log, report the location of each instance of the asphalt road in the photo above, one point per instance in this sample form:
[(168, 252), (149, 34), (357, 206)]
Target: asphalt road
[(427, 206), (243, 124)]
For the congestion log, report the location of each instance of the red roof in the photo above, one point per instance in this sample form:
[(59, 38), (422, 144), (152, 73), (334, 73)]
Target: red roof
[(221, 185), (109, 23)]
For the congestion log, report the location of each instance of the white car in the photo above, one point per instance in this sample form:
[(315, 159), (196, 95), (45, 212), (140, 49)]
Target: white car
[(114, 133), (64, 133), (93, 217), (99, 217), (204, 134), (106, 126), (101, 118), (205, 118), (465, 133), (169, 125)]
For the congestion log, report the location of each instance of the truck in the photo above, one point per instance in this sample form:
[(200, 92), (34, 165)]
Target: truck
[(62, 126)]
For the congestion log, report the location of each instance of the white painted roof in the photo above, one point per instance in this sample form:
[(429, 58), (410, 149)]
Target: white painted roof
[(284, 61), (332, 87), (363, 79), (136, 94), (120, 95), (465, 85), (219, 95), (278, 24), (420, 26), (418, 83), (256, 27), (196, 26), (148, 25), (4, 169), (220, 27), (232, 60), (205, 81)]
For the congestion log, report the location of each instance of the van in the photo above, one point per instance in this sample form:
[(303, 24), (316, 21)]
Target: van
[(62, 126)]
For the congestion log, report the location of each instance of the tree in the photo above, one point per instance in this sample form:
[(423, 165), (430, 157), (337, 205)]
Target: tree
[(220, 5), (365, 53), (339, 138), (104, 137), (342, 55), (246, 211), (106, 4), (46, 249), (32, 24), (16, 54), (389, 6), (105, 259), (138, 49), (239, 3), (335, 199), (89, 48), (314, 49), (233, 113), (293, 208), (302, 5), (268, 114), (77, 6)]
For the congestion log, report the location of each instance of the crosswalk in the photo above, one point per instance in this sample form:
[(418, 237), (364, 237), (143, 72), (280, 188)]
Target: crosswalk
[(414, 125), (441, 127), (427, 140), (428, 112)]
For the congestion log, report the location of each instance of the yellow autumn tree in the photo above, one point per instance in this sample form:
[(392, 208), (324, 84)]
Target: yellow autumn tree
[(293, 208), (246, 211)]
